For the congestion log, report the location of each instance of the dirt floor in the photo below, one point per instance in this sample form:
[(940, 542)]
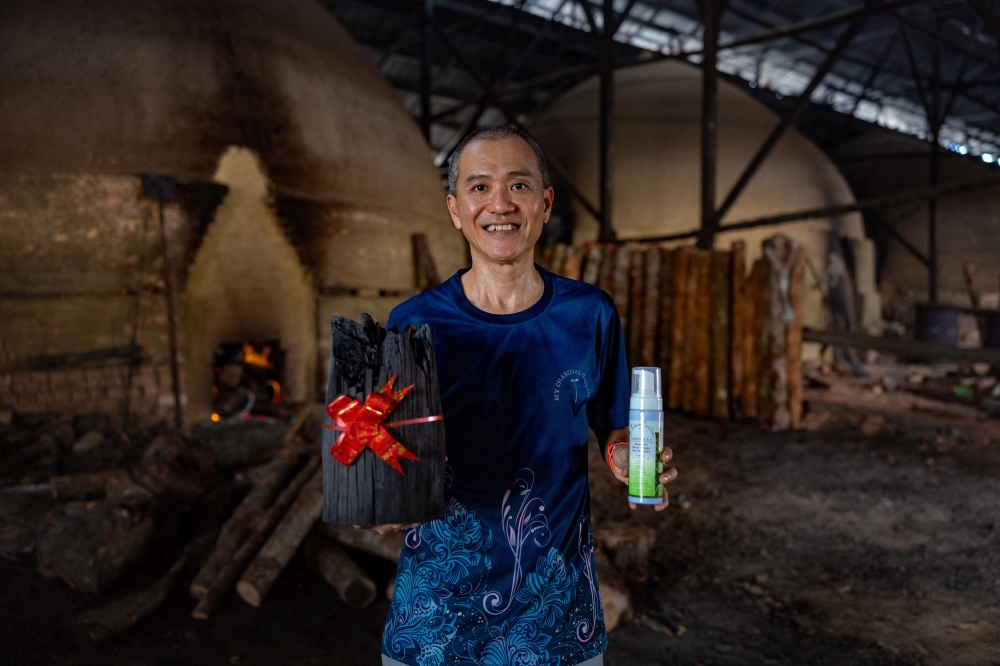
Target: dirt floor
[(853, 543)]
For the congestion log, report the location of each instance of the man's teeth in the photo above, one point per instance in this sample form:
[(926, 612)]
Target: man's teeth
[(501, 227)]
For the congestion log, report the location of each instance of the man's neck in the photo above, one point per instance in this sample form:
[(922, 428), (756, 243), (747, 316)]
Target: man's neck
[(503, 288)]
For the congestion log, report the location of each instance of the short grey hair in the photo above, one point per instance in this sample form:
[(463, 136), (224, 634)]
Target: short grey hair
[(495, 133)]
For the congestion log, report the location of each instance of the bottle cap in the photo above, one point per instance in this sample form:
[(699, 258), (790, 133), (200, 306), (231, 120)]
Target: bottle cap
[(646, 392)]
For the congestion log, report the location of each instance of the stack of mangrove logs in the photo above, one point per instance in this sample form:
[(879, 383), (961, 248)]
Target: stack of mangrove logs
[(728, 341)]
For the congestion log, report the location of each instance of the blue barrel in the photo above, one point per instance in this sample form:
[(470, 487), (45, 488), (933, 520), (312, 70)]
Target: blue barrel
[(938, 324), (992, 340)]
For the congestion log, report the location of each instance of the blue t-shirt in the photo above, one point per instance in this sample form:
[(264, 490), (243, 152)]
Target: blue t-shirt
[(508, 576)]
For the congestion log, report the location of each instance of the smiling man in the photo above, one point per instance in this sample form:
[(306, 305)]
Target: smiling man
[(527, 361)]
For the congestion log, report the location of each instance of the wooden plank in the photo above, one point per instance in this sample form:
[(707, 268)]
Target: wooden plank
[(370, 492), (701, 326), (682, 266), (780, 254), (651, 308), (752, 336), (636, 297), (427, 273), (720, 281), (793, 337), (558, 258), (592, 265), (739, 312)]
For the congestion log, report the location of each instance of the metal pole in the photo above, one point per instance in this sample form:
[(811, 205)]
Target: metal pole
[(426, 57), (936, 120), (709, 123), (168, 292), (606, 121)]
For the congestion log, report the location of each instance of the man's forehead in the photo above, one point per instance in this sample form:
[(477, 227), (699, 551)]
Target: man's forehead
[(506, 156)]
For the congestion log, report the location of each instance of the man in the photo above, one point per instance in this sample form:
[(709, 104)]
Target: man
[(526, 362)]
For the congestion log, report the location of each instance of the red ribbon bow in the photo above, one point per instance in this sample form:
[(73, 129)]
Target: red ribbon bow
[(363, 427)]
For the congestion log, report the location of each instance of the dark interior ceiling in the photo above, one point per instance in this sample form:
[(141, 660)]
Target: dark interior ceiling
[(909, 55)]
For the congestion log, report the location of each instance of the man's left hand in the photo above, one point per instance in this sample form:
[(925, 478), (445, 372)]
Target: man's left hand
[(619, 465)]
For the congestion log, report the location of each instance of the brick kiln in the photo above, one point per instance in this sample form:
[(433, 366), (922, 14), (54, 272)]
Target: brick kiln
[(297, 179)]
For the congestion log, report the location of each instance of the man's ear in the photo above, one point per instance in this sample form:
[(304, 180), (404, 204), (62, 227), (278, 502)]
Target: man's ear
[(548, 197), (453, 211)]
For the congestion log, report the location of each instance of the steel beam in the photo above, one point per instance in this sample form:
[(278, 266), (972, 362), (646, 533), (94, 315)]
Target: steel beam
[(800, 105), (512, 118), (606, 121), (831, 211), (711, 11), (426, 59), (989, 14)]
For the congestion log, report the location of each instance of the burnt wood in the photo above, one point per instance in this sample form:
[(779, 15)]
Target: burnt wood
[(370, 492)]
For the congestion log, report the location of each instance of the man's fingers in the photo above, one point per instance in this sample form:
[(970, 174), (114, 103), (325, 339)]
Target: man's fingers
[(668, 476), (631, 505), (667, 454), (665, 504)]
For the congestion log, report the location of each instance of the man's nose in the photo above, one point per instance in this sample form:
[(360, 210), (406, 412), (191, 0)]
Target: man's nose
[(501, 202)]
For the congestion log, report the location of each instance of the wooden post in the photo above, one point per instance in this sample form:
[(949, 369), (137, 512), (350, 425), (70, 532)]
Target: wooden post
[(605, 277), (701, 326), (752, 334), (682, 266), (592, 267), (427, 273), (651, 307), (739, 312), (793, 337), (558, 258), (636, 296), (719, 285), (666, 333), (780, 253), (619, 283)]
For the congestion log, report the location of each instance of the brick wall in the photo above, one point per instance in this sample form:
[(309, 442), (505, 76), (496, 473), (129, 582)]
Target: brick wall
[(101, 389)]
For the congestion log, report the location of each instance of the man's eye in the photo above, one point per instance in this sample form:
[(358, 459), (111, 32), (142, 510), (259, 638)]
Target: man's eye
[(519, 186), (479, 188)]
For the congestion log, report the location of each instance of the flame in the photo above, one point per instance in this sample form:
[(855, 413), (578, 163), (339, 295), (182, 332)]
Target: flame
[(276, 387), (216, 418), (261, 359)]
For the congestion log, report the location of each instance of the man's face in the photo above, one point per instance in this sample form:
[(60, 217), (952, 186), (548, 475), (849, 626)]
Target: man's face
[(500, 202)]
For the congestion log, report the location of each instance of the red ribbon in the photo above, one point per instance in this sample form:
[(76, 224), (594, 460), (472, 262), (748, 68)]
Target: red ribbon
[(363, 427)]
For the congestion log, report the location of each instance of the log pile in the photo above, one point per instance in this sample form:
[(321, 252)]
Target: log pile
[(728, 342)]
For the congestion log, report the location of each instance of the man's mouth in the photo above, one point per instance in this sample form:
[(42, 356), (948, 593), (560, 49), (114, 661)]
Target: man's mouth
[(502, 227)]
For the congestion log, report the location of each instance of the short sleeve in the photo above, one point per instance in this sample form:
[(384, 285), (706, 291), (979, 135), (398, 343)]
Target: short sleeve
[(608, 409)]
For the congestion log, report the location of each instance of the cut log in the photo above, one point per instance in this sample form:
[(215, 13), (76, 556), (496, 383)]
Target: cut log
[(636, 307), (592, 265), (350, 582), (752, 339), (620, 283), (720, 282), (793, 337), (780, 253), (682, 267), (628, 546), (282, 544), (116, 617), (651, 308), (369, 491), (573, 264), (246, 516), (305, 434), (172, 467), (85, 486), (241, 443), (739, 310), (246, 552), (386, 546)]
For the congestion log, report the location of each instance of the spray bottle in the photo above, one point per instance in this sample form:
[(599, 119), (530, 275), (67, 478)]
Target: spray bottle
[(645, 425)]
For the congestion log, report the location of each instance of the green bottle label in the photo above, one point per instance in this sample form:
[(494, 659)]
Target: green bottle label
[(645, 446)]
